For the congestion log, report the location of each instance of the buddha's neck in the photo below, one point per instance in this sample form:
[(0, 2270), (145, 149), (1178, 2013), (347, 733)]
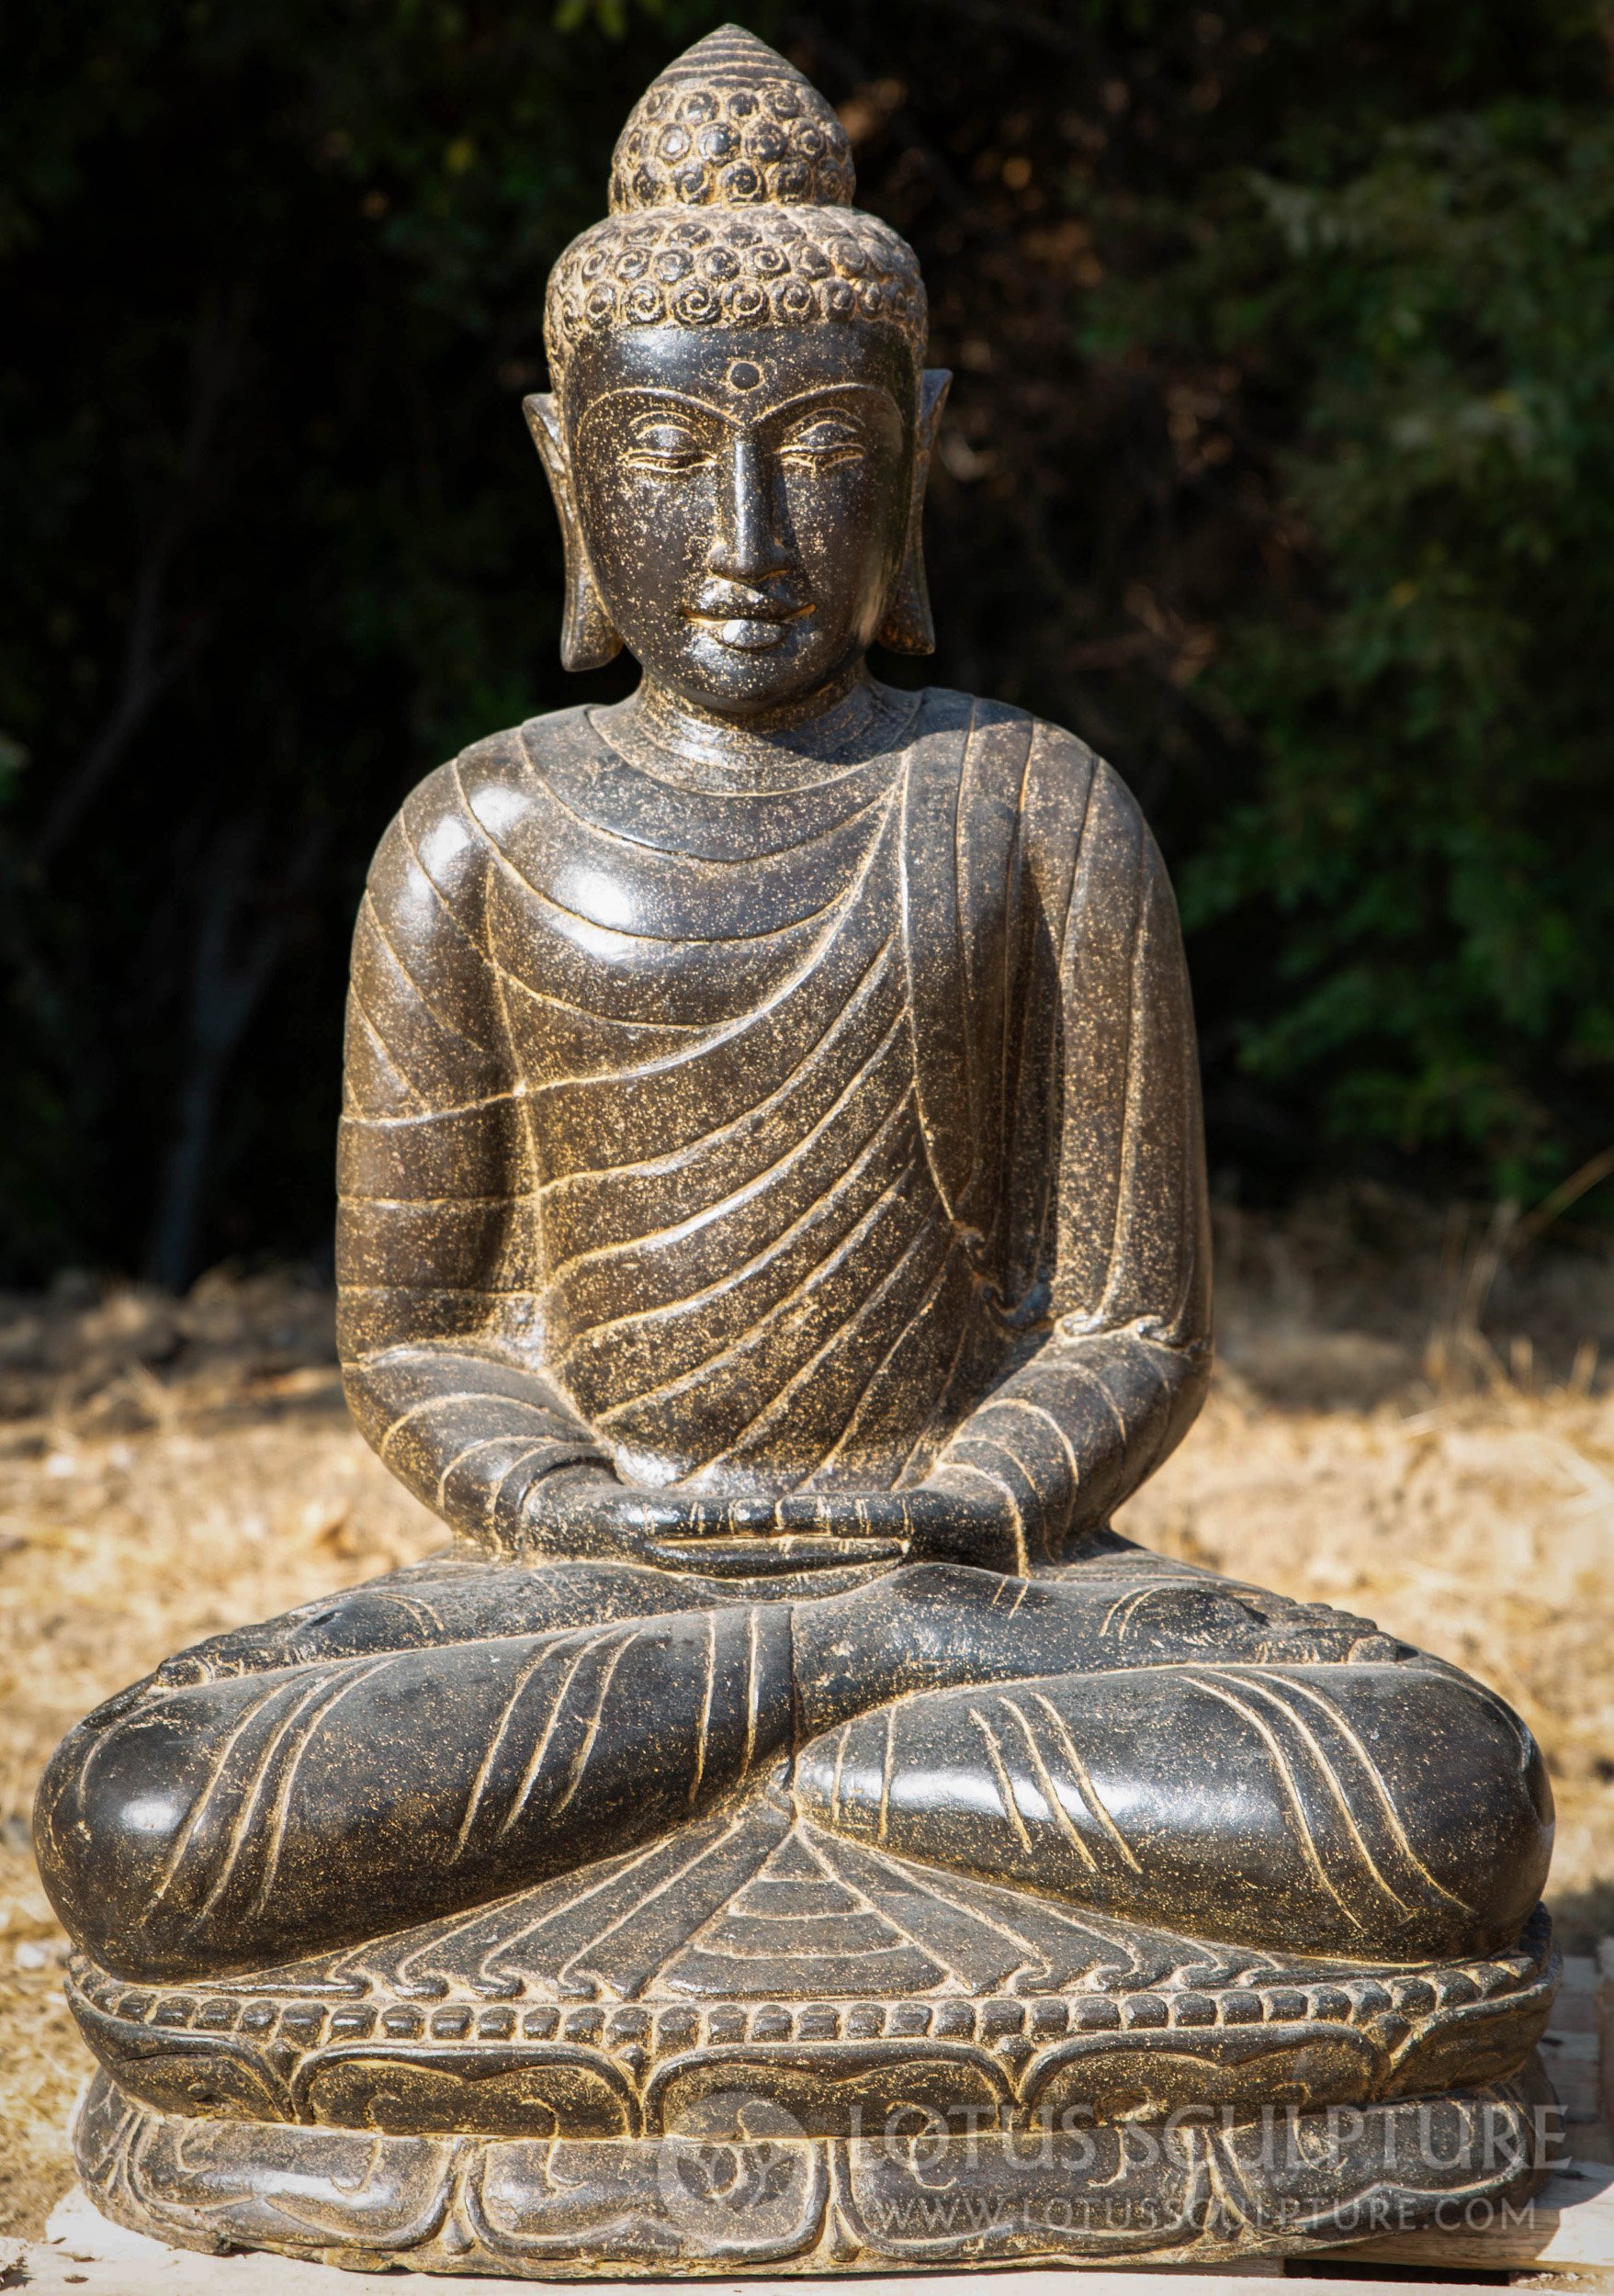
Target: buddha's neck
[(840, 726)]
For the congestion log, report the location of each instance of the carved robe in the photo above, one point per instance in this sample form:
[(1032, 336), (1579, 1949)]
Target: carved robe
[(772, 1129), (812, 1139)]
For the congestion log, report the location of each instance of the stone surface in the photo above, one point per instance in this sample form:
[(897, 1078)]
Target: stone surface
[(545, 2014), (786, 1829), (739, 2190)]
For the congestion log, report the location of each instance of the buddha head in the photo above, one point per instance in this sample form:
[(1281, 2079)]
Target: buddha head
[(742, 421)]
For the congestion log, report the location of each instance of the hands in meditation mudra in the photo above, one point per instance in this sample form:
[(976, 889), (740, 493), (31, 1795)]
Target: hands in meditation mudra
[(773, 1239)]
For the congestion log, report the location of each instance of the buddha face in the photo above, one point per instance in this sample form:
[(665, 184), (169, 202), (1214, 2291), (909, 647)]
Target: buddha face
[(743, 498)]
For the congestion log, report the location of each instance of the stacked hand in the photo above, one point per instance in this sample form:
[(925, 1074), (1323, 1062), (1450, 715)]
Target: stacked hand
[(585, 1513), (951, 1517)]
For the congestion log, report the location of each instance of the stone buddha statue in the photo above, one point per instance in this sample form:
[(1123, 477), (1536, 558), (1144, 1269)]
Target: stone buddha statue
[(773, 1241)]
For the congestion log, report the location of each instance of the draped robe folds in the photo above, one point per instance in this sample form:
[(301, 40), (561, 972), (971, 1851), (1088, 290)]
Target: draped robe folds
[(746, 1141), (818, 1138)]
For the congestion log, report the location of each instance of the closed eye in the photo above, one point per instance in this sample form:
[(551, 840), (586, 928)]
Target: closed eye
[(665, 445), (823, 443)]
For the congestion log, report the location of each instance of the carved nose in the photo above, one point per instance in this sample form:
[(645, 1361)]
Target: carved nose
[(746, 548)]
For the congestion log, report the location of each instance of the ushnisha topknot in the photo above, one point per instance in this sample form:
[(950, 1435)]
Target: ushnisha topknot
[(731, 122), (731, 190)]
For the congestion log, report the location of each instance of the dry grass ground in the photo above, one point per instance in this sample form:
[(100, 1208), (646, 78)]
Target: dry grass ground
[(167, 1470)]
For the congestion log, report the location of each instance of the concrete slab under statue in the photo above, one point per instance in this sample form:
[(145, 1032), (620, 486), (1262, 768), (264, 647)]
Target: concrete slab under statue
[(785, 1829)]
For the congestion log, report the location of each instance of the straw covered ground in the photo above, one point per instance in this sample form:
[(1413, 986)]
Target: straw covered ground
[(1410, 1419)]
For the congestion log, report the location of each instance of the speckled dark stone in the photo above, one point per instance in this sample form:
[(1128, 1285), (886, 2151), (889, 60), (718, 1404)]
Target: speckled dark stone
[(785, 1828)]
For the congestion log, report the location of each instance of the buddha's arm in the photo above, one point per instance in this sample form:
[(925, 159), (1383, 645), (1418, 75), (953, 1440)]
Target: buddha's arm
[(1122, 1372), (436, 1178)]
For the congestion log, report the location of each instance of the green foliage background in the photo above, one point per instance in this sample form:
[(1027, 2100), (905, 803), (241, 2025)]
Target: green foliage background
[(1278, 465)]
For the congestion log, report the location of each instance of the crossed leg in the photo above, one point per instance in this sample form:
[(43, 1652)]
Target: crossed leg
[(1133, 1736), (1163, 1744), (415, 1746)]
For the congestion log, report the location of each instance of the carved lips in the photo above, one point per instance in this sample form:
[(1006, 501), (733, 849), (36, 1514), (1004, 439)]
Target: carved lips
[(751, 621)]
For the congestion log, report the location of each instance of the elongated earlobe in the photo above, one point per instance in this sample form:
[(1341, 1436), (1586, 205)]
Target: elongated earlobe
[(587, 640), (907, 627)]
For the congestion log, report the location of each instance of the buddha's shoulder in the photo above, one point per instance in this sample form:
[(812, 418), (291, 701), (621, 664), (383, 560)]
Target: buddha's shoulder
[(459, 818), (500, 775), (1067, 793)]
